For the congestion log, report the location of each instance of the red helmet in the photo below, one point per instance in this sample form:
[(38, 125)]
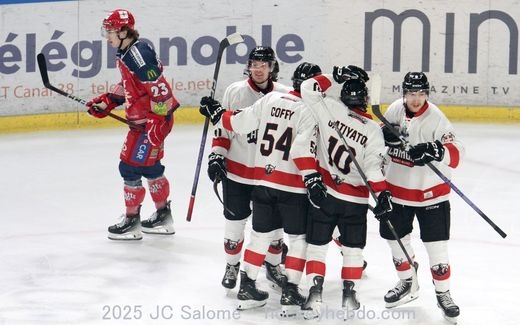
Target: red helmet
[(118, 19)]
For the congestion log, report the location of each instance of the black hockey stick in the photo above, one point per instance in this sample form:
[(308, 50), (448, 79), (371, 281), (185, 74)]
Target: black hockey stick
[(42, 65), (377, 112), (232, 39), (215, 189)]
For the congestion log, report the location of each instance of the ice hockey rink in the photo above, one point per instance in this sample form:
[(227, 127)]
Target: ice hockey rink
[(60, 190)]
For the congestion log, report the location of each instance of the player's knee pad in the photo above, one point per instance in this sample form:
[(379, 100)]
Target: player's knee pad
[(159, 188), (134, 195)]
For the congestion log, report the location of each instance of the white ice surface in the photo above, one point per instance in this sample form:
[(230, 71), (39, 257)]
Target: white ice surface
[(60, 190)]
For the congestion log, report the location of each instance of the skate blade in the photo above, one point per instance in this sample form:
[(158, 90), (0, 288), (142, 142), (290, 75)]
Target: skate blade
[(127, 236), (452, 320), (406, 299), (274, 286), (159, 230), (290, 311), (313, 312), (250, 304)]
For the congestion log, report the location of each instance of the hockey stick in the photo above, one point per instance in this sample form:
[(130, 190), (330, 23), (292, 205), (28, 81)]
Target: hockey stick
[(215, 189), (42, 65), (377, 112), (229, 40)]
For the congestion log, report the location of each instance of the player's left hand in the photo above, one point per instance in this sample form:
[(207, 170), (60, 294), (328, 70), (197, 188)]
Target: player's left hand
[(211, 109), (424, 153), (383, 206)]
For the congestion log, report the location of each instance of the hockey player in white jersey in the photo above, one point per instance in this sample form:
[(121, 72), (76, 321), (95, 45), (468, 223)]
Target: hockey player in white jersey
[(232, 161), (284, 158), (346, 202), (417, 191)]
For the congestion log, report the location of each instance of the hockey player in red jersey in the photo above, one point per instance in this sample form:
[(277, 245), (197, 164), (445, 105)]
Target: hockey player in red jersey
[(417, 190), (149, 108), (232, 161), (346, 203), (283, 159)]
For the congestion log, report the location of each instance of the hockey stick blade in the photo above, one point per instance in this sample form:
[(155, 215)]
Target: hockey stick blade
[(231, 39), (446, 180), (42, 65)]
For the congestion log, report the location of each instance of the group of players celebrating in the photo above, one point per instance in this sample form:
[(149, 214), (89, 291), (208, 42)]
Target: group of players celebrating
[(306, 159)]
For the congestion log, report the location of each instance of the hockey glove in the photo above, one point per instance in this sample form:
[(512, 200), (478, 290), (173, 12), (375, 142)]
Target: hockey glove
[(383, 206), (316, 190), (342, 74), (423, 153), (157, 128), (216, 167), (211, 109), (100, 106), (391, 140)]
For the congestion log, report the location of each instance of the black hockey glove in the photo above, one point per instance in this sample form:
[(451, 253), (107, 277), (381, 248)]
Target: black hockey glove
[(391, 140), (316, 190), (423, 153), (342, 74), (383, 206), (211, 109), (216, 167)]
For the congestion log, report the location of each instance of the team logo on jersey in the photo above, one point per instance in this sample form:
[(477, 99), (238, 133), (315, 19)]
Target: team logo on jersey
[(269, 169), (337, 179), (446, 138), (252, 136)]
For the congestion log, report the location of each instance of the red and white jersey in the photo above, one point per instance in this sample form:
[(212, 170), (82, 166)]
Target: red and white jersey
[(362, 135), (239, 150), (419, 185), (286, 140)]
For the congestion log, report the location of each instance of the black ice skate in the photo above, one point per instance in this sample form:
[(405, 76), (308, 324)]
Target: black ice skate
[(249, 296), (312, 306), (349, 301), (229, 281), (403, 292), (161, 222), (275, 276), (129, 228), (291, 300), (449, 309)]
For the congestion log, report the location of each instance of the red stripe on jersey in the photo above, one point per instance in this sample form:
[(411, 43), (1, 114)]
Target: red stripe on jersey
[(343, 188), (351, 273), (323, 81), (294, 263), (221, 142), (239, 169), (226, 120), (279, 177), (454, 155), (305, 163), (419, 195), (254, 258), (378, 186), (316, 267)]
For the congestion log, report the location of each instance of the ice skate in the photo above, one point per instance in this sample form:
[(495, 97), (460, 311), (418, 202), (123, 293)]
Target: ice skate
[(312, 306), (161, 222), (275, 276), (450, 311), (229, 281), (129, 228), (402, 293), (249, 296), (291, 300), (349, 301)]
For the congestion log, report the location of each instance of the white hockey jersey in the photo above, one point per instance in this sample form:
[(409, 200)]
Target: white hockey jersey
[(362, 134), (239, 150), (286, 144), (419, 185)]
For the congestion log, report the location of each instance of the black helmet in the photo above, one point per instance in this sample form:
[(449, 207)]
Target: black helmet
[(355, 94), (415, 81), (303, 72), (262, 53)]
